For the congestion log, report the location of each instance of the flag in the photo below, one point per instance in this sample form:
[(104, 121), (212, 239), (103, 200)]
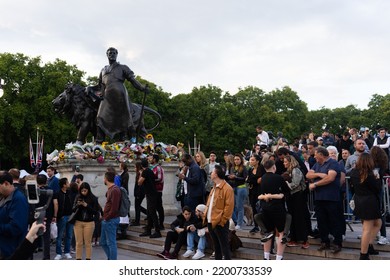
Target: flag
[(40, 152), (32, 159)]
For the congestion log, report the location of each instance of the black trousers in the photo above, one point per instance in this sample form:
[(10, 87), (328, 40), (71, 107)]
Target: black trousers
[(160, 208), (297, 208), (173, 237), (139, 208), (45, 240), (151, 203), (328, 220), (220, 236)]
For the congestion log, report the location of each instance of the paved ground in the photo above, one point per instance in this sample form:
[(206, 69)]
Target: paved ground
[(98, 254)]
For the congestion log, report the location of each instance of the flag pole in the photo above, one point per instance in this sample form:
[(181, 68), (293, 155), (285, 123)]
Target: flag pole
[(37, 151)]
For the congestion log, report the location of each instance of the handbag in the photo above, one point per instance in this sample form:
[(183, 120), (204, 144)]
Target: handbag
[(72, 217), (179, 191), (53, 231), (352, 203)]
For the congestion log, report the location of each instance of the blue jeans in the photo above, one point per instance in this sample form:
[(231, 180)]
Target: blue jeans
[(64, 228), (239, 199), (193, 237), (108, 238)]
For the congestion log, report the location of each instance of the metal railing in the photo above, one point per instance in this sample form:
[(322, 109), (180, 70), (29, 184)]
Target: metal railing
[(348, 213)]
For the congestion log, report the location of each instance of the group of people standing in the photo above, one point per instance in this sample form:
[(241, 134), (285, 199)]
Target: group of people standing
[(315, 168), (73, 208)]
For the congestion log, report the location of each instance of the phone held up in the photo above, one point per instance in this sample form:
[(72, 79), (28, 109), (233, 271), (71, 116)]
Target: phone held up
[(32, 192)]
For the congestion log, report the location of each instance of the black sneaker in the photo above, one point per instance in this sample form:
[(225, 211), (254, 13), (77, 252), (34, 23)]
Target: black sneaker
[(324, 246), (254, 230), (372, 251), (146, 233), (173, 256), (162, 227), (335, 248), (267, 236), (284, 240), (155, 235), (164, 255), (134, 224)]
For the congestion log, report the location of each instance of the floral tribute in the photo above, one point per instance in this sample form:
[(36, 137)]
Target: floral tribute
[(118, 151)]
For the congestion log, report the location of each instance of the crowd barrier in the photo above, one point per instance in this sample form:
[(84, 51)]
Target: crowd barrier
[(347, 196)]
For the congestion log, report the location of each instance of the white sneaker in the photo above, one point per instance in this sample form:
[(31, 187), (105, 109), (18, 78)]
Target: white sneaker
[(58, 257), (188, 253), (199, 254), (383, 240), (237, 227), (68, 256)]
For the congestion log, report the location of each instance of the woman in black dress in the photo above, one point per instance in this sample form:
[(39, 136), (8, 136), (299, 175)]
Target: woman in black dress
[(367, 186), (254, 178)]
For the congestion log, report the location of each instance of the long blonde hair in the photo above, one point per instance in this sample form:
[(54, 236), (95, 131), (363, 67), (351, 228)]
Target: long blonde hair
[(293, 163), (203, 160)]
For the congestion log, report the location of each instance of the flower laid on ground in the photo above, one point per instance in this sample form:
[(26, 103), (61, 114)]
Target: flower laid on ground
[(118, 151)]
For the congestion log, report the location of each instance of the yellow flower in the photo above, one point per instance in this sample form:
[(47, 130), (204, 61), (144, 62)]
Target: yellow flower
[(104, 144), (149, 136)]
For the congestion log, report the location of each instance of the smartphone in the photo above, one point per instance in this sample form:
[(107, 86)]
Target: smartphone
[(32, 192), (77, 168)]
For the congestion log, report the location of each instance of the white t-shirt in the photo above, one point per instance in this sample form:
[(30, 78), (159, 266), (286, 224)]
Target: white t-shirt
[(211, 206), (263, 138)]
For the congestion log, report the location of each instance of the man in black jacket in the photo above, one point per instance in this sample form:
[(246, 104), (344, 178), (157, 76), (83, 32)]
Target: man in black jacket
[(63, 204), (178, 234)]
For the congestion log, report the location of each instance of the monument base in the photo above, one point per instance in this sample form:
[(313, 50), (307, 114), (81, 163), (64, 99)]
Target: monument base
[(93, 173)]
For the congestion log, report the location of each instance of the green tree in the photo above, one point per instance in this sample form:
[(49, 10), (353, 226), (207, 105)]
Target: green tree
[(29, 89), (378, 114)]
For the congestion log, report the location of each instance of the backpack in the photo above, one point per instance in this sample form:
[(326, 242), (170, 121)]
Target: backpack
[(124, 206)]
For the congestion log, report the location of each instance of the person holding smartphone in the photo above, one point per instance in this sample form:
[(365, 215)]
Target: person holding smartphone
[(87, 206), (13, 216)]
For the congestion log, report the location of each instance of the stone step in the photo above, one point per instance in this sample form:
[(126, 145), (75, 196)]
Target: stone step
[(241, 254), (249, 240), (252, 248)]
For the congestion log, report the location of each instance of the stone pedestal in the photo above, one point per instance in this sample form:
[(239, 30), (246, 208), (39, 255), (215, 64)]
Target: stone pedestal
[(93, 173)]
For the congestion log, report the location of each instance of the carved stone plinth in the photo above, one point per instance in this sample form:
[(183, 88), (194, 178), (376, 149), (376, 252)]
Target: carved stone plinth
[(93, 173)]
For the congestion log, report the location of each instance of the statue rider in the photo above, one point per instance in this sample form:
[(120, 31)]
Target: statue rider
[(114, 117)]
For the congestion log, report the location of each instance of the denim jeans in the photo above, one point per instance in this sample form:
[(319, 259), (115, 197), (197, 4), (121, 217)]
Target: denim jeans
[(108, 238), (63, 227), (239, 199), (193, 237)]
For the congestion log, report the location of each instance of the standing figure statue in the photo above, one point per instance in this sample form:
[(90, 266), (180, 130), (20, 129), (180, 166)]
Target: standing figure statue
[(114, 117)]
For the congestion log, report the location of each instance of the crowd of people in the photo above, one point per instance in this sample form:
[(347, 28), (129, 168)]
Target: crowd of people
[(275, 179)]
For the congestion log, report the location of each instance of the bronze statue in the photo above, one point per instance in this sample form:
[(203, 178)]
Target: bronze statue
[(81, 105), (114, 117)]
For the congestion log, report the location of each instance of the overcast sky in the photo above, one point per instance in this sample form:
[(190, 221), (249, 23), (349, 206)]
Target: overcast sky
[(332, 53)]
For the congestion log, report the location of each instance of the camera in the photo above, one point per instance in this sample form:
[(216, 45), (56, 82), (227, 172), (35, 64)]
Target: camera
[(32, 192)]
